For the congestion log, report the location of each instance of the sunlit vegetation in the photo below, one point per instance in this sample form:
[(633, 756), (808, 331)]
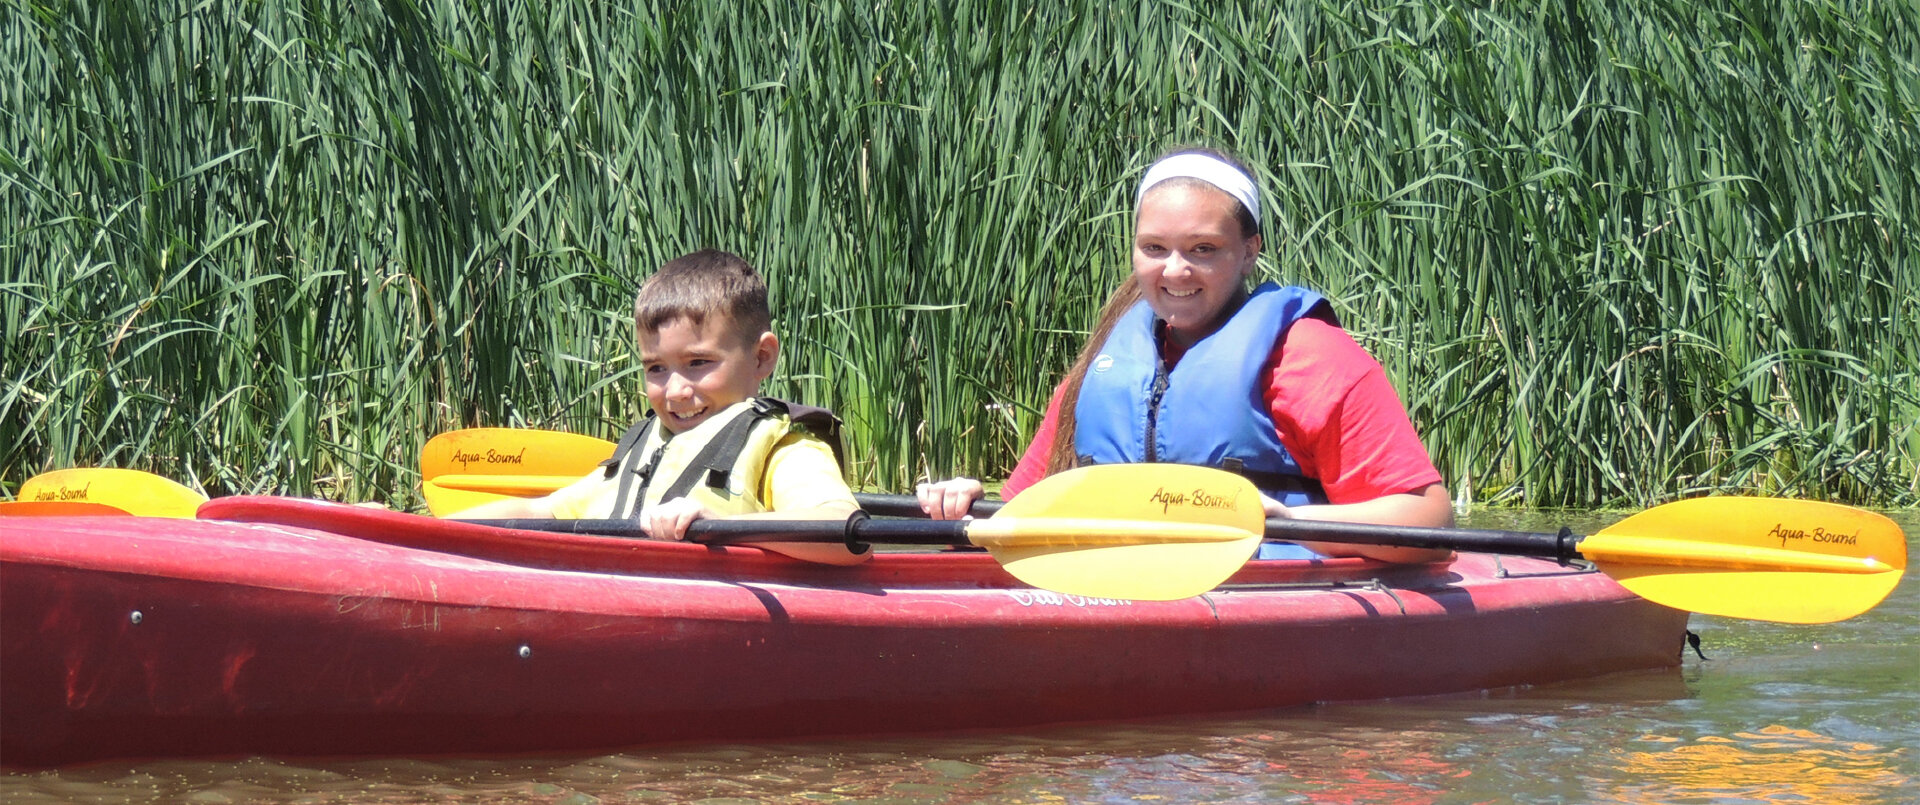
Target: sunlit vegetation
[(1611, 253)]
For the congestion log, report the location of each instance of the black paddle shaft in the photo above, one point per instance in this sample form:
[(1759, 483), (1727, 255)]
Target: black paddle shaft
[(909, 506), (1559, 546), (856, 532)]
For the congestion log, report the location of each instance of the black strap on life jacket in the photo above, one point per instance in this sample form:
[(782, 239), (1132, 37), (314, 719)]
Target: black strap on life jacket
[(633, 438), (714, 463), (1276, 481)]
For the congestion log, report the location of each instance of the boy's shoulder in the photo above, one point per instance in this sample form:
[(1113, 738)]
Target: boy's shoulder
[(813, 421), (812, 418)]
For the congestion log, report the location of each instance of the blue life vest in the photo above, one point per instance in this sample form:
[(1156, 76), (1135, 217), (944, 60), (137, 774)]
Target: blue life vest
[(1211, 410)]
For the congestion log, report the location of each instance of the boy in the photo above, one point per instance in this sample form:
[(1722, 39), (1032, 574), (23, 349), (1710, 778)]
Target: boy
[(709, 447)]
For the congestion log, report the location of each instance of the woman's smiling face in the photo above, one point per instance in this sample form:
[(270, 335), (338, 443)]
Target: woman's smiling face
[(1191, 257)]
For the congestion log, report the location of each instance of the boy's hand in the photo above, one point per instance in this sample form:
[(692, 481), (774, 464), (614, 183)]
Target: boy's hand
[(670, 519), (949, 500)]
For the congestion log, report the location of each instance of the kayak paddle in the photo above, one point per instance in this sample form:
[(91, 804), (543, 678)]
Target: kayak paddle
[(110, 490), (1772, 559), (57, 508), (1062, 535), (1733, 556), (1775, 559), (451, 485), (461, 469), (1107, 532), (1116, 531)]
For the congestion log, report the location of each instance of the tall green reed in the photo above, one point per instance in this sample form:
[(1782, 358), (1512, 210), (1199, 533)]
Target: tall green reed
[(1609, 254)]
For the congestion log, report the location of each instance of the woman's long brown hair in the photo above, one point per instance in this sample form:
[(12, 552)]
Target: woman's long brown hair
[(1062, 456)]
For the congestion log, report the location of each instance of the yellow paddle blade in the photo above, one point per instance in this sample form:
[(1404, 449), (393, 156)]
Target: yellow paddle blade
[(131, 491), (465, 468), (515, 485), (1148, 532), (442, 501), (1791, 561), (57, 508)]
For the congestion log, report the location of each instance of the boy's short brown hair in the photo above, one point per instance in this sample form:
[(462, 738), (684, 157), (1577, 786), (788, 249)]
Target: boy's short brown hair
[(704, 283)]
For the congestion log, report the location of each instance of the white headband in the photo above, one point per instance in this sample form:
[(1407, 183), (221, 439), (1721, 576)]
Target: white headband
[(1231, 180)]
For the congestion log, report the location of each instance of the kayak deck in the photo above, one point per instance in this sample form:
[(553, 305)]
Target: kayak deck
[(318, 629)]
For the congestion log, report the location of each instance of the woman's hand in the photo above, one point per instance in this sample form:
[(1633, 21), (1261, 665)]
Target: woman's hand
[(1275, 509), (949, 500), (670, 519)]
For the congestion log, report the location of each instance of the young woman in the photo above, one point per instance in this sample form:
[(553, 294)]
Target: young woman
[(1188, 365)]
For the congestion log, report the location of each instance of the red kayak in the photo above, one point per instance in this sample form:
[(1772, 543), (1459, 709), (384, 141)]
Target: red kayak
[(291, 627)]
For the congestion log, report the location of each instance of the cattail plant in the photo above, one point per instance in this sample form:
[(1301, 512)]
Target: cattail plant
[(1610, 253)]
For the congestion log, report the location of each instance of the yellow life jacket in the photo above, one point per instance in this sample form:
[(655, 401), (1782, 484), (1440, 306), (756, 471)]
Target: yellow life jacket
[(721, 461)]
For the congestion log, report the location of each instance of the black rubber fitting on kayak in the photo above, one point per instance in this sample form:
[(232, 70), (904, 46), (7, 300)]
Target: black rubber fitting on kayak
[(853, 530), (1564, 542)]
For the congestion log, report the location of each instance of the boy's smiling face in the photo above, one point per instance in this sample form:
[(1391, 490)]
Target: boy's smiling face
[(693, 371)]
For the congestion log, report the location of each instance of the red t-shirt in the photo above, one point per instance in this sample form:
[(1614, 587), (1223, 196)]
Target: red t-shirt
[(1335, 412)]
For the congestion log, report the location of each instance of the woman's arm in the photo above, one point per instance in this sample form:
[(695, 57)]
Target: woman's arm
[(1341, 419), (1428, 507)]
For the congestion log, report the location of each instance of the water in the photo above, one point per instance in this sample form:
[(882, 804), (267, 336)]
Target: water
[(1803, 714)]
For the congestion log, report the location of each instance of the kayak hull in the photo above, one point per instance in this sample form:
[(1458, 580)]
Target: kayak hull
[(303, 628)]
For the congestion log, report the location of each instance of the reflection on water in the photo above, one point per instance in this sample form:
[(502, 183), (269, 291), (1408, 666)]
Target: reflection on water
[(1823, 714), (1630, 738), (1772, 764), (1617, 739)]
